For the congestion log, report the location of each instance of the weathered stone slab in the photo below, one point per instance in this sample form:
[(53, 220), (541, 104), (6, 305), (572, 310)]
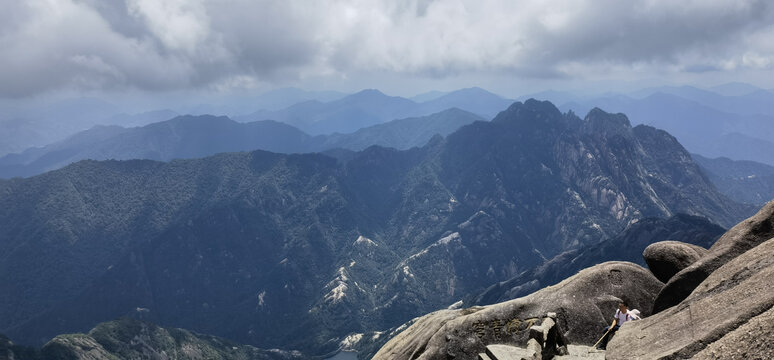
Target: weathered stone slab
[(507, 352)]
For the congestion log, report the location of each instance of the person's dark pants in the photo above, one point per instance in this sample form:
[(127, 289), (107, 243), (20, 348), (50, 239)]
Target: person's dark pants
[(603, 344)]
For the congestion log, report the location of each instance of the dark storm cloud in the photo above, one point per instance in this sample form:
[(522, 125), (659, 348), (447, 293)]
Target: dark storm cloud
[(184, 44)]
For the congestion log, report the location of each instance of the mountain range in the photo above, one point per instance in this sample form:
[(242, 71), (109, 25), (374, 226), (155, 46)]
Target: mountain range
[(702, 127), (744, 181), (188, 137), (130, 338), (299, 251), (43, 125), (730, 120), (36, 123), (371, 107), (730, 98)]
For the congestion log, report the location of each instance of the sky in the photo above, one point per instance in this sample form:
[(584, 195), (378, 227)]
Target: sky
[(403, 47)]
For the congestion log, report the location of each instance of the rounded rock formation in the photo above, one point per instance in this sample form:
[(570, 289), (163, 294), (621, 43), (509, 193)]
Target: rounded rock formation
[(742, 237), (584, 303), (726, 316), (667, 258)]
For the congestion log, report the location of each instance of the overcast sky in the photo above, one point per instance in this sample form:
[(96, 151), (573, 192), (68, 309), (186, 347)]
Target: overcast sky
[(400, 46)]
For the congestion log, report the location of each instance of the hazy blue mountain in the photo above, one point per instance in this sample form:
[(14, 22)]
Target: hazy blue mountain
[(362, 109), (141, 119), (686, 92), (37, 160), (74, 112), (238, 105), (282, 98), (740, 147), (475, 100), (400, 134), (22, 127), (18, 134), (299, 251), (734, 89), (757, 102), (181, 137), (556, 97), (427, 96), (701, 129), (32, 123), (744, 181), (199, 136), (35, 126), (371, 107)]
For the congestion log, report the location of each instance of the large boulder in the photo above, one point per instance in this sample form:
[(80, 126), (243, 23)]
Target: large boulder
[(667, 258), (626, 246), (584, 303), (742, 237), (730, 307)]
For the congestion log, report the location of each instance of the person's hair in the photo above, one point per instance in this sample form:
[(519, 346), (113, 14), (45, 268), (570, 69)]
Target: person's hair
[(624, 302)]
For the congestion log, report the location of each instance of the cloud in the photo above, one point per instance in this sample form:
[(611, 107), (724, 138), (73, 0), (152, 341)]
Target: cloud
[(184, 44)]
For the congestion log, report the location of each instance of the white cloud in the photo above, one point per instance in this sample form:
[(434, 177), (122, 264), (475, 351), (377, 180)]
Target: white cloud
[(178, 24), (183, 44)]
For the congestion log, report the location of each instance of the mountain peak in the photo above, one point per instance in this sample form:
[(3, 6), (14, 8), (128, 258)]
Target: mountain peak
[(205, 117), (529, 111), (368, 93), (474, 91), (600, 121)]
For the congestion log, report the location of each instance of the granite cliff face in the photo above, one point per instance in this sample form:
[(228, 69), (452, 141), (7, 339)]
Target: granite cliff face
[(302, 251), (727, 313)]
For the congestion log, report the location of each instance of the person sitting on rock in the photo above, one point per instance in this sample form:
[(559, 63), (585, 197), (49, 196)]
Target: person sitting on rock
[(622, 315)]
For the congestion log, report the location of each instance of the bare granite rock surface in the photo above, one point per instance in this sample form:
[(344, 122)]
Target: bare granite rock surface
[(584, 304), (667, 258), (730, 306), (750, 341), (739, 239)]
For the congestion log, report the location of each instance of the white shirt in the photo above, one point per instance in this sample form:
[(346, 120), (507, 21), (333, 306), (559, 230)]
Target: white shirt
[(621, 318)]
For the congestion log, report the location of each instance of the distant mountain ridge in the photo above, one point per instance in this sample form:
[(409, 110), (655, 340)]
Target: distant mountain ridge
[(188, 137), (129, 338), (299, 251), (701, 128), (371, 107), (626, 246), (754, 101), (744, 181)]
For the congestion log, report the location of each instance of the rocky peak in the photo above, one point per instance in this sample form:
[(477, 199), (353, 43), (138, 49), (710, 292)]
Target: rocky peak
[(598, 121), (531, 113)]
